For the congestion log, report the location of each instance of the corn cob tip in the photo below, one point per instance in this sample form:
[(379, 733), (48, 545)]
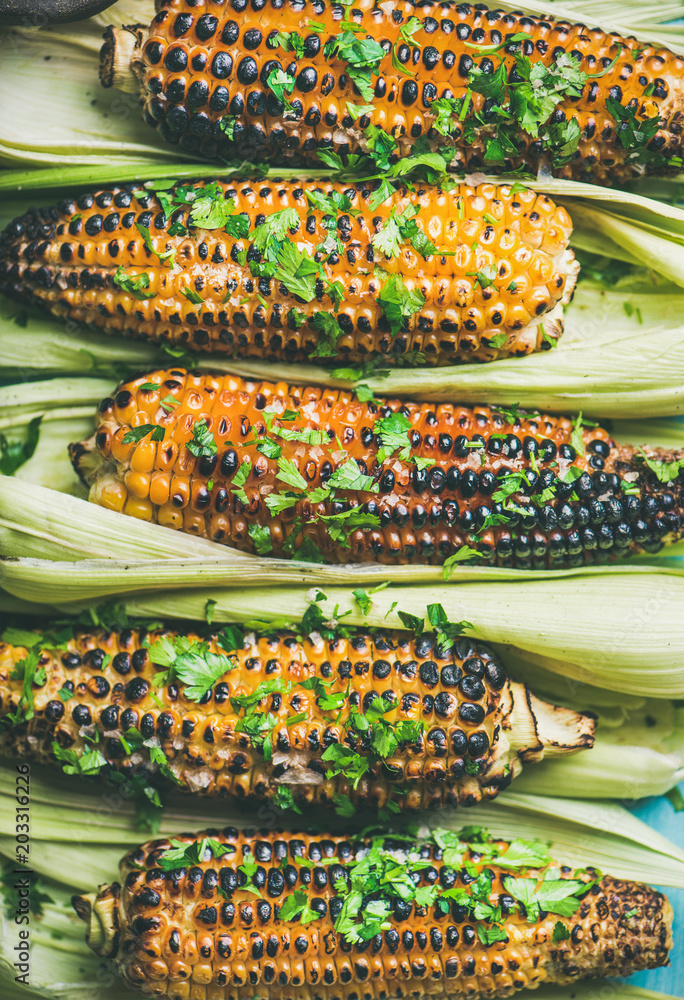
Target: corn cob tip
[(120, 48), (545, 730), (100, 911)]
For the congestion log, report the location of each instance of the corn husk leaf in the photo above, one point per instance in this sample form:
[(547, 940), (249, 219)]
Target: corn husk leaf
[(639, 749), (596, 627)]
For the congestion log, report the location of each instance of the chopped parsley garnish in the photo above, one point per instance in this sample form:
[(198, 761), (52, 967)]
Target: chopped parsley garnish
[(281, 83), (559, 896), (182, 855), (665, 472), (561, 932), (261, 536), (328, 329), (397, 301), (29, 672), (296, 906), (240, 478), (88, 763), (406, 33), (133, 283), (164, 256), (463, 554), (289, 41), (274, 229), (192, 296), (397, 230), (394, 436), (362, 56), (191, 663), (136, 434), (258, 725), (14, 454), (203, 444), (211, 210), (297, 271), (632, 132)]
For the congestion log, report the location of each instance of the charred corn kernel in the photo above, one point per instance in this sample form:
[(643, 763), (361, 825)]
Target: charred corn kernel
[(524, 490), (266, 914), (204, 75), (71, 260), (472, 728)]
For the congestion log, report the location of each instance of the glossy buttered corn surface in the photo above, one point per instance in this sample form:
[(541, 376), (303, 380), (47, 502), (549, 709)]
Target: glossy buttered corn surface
[(450, 727), (285, 80), (194, 266), (315, 473), (216, 929)]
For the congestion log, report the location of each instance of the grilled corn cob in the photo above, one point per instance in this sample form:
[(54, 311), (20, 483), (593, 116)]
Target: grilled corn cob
[(281, 469), (172, 266), (455, 729), (216, 79), (280, 916)]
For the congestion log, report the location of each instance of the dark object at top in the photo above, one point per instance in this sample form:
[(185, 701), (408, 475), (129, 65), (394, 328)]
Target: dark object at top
[(31, 13)]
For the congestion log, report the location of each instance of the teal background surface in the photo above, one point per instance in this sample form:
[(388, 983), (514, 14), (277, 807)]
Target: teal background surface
[(659, 813)]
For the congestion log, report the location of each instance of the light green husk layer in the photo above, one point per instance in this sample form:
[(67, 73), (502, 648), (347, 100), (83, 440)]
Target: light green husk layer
[(62, 968), (639, 747), (596, 627)]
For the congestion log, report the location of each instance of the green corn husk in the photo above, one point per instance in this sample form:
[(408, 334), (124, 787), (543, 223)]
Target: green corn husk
[(63, 968), (596, 628)]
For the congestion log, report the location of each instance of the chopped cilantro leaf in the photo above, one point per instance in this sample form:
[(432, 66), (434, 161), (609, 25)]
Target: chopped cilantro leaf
[(297, 271), (394, 436), (14, 454), (261, 536), (182, 855), (665, 472), (192, 296), (136, 434), (561, 932), (397, 301), (203, 444), (462, 554), (133, 283), (559, 896), (362, 56), (191, 663)]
